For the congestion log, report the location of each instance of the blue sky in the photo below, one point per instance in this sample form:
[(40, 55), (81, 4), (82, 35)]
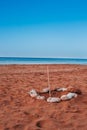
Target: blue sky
[(43, 28)]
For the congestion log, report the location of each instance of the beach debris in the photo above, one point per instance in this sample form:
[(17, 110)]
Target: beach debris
[(68, 96), (61, 89), (40, 97), (45, 90), (53, 99), (33, 93)]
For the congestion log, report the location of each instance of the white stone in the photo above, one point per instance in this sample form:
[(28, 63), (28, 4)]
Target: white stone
[(64, 97), (53, 99), (71, 95), (40, 97), (33, 93), (68, 96), (61, 89), (45, 90)]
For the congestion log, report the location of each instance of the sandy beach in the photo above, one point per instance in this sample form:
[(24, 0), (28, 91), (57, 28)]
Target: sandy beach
[(18, 111)]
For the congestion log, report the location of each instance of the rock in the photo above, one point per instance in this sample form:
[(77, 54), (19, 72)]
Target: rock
[(53, 99), (71, 95), (74, 90), (64, 97), (68, 96), (45, 90), (40, 97), (61, 89), (33, 93)]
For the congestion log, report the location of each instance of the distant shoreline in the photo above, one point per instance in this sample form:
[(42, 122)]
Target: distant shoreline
[(17, 60), (44, 57)]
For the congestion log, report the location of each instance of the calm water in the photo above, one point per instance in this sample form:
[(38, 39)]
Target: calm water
[(12, 60)]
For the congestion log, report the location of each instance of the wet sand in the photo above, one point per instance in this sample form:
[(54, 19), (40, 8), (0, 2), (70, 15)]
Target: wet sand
[(18, 111)]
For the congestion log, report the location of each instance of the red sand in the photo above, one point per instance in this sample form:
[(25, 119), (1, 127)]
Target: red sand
[(18, 111)]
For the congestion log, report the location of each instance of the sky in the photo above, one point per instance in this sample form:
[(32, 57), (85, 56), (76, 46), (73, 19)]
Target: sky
[(43, 28)]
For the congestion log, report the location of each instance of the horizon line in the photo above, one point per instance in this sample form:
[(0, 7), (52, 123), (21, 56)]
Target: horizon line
[(44, 57)]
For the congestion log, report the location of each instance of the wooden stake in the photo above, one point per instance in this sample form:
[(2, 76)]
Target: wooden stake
[(48, 81)]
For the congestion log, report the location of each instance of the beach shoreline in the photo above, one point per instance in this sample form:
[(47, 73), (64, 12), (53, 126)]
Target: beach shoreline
[(18, 111)]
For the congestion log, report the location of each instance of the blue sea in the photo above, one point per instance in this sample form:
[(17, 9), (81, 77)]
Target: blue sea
[(16, 60)]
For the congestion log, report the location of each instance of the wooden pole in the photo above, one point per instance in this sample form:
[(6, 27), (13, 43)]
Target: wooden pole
[(48, 81)]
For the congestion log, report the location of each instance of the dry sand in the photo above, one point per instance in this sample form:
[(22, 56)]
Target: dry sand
[(18, 111)]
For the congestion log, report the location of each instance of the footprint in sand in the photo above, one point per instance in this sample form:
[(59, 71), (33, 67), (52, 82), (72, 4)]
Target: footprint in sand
[(43, 124), (47, 124), (18, 127), (6, 129)]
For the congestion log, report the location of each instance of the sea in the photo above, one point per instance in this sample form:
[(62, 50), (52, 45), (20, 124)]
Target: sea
[(22, 60)]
